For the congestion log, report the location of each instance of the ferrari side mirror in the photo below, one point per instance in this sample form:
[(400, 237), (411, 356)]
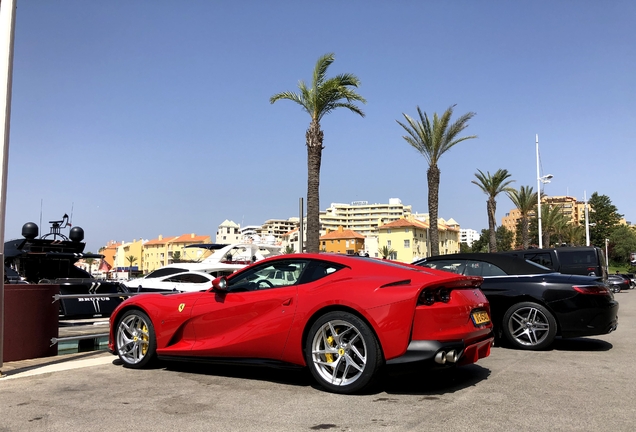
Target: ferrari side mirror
[(220, 284)]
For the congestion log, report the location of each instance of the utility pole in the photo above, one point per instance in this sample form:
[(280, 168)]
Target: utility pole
[(7, 30)]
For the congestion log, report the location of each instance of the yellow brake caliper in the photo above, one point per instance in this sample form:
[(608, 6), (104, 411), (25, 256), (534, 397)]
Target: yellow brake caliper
[(144, 347), (332, 344)]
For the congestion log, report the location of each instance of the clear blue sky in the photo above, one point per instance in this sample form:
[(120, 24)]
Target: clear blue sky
[(153, 117)]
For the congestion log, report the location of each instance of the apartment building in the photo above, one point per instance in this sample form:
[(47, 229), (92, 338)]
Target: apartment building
[(122, 266), (109, 251), (410, 238), (273, 230), (468, 236), (571, 208), (162, 251), (362, 217)]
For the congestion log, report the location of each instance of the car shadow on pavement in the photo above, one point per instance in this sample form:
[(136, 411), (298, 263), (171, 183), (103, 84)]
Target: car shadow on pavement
[(432, 382), (581, 344), (286, 376)]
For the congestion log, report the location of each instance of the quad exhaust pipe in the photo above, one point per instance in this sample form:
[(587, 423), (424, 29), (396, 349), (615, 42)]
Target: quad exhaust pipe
[(443, 357)]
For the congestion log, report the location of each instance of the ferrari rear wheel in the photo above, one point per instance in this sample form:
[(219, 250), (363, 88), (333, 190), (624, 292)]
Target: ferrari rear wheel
[(342, 352), (135, 340), (529, 326)]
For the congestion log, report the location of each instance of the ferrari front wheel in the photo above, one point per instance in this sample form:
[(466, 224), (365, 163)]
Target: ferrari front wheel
[(135, 340), (342, 352)]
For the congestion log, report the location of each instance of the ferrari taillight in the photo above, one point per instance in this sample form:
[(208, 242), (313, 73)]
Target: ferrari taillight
[(430, 296), (591, 289)]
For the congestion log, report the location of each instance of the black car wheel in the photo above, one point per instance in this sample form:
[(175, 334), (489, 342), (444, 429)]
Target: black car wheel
[(135, 341), (529, 326), (342, 352)]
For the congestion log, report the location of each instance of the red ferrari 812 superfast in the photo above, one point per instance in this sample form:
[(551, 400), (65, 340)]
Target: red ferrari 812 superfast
[(343, 317)]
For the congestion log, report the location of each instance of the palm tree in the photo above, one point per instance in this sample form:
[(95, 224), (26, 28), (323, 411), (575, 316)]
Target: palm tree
[(525, 200), (386, 251), (432, 141), (90, 262), (324, 96), (552, 223), (131, 260), (289, 249), (492, 185)]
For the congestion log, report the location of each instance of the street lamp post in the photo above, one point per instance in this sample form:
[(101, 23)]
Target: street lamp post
[(545, 179)]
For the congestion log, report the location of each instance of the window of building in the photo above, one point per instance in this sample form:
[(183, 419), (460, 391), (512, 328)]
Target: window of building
[(407, 243), (388, 243)]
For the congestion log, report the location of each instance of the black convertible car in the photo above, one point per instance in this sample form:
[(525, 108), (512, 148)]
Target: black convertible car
[(531, 304)]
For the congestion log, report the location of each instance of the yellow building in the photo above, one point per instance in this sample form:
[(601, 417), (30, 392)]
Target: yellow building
[(177, 248), (125, 250), (342, 241), (409, 238), (160, 252)]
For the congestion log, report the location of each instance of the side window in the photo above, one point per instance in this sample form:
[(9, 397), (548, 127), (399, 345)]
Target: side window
[(318, 270), (542, 258), (188, 278), (454, 266), (488, 269), (269, 275)]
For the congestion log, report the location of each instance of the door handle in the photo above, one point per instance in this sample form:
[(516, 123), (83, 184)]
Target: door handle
[(287, 302)]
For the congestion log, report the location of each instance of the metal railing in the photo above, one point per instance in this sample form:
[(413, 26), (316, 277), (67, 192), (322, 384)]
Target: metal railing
[(58, 297)]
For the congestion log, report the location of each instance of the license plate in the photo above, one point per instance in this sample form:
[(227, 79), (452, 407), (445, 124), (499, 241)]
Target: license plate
[(480, 317)]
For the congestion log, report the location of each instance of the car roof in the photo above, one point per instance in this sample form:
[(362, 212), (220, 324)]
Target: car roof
[(508, 263)]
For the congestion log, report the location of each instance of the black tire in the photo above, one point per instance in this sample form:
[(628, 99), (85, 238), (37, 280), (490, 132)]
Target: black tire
[(342, 353), (135, 341), (529, 326)]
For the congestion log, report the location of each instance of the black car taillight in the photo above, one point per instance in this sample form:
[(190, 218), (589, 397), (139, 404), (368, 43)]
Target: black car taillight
[(592, 289), (430, 296)]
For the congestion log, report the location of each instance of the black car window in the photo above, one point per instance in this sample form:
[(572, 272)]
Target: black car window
[(480, 268), (541, 258), (164, 272), (188, 278), (268, 275), (587, 257), (454, 266), (319, 269)]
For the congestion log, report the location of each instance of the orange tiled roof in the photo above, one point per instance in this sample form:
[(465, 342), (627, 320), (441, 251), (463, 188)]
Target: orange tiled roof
[(158, 241), (402, 223), (185, 238), (344, 234)]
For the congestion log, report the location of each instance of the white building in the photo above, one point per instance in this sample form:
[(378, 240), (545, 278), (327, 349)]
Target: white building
[(228, 233), (468, 236), (362, 217)]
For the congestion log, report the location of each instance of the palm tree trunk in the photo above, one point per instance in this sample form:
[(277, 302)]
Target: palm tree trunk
[(525, 234), (314, 138), (491, 206), (432, 175)]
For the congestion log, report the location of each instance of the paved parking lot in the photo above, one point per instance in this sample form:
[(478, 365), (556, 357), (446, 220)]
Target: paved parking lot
[(586, 384)]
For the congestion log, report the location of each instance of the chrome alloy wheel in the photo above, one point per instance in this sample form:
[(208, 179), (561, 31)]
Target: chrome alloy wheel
[(529, 326), (133, 339), (339, 352)]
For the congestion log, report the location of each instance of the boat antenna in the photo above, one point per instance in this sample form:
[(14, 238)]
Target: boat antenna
[(71, 219)]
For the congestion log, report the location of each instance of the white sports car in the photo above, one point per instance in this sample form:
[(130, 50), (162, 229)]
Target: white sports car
[(172, 280)]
